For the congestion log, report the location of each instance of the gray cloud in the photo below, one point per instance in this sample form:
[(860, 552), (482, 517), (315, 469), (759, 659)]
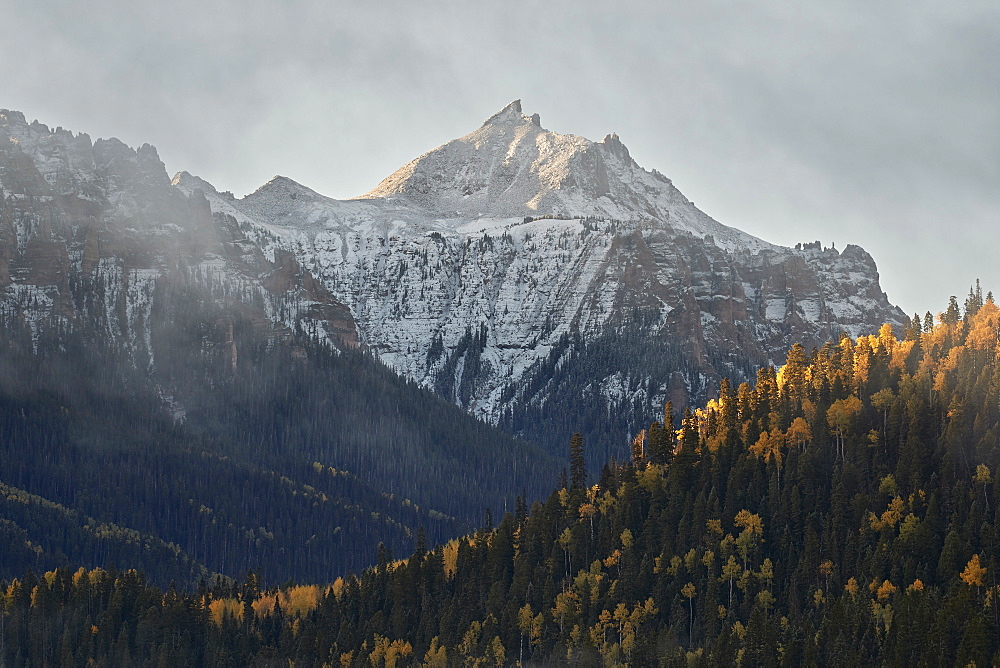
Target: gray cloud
[(853, 122)]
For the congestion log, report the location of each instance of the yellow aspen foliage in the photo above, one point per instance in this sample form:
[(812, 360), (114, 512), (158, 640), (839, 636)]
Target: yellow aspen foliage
[(296, 601), (566, 605), (883, 617), (851, 587), (575, 636), (627, 539), (974, 572), (886, 339), (983, 475), (338, 588), (300, 600), (744, 581), (524, 617), (585, 578), (470, 640), (437, 655), (885, 590), (537, 629), (689, 591), (691, 560), (799, 433), (899, 355), (496, 652), (726, 545), (598, 632), (651, 477), (565, 539), (887, 486), (639, 449), (892, 515), (264, 605), (749, 522), (762, 447), (983, 327), (882, 401), (450, 557), (628, 643), (909, 526), (840, 416), (766, 599), (766, 574), (607, 503), (730, 570), (219, 608), (916, 586), (809, 409), (389, 653)]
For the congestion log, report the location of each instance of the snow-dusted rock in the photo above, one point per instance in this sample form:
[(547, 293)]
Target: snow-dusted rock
[(90, 230), (470, 267)]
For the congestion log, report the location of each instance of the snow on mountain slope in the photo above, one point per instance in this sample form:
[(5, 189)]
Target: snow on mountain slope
[(91, 232), (512, 167), (468, 269)]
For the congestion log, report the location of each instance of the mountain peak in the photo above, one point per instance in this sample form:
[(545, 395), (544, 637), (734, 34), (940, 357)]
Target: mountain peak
[(615, 146), (511, 112), (512, 167), (188, 183), (282, 183)]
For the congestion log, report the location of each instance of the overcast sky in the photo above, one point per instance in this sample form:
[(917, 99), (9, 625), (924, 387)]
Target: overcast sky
[(874, 123)]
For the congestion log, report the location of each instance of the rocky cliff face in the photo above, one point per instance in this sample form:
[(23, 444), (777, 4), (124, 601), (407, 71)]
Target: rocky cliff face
[(496, 265), (94, 238), (189, 352)]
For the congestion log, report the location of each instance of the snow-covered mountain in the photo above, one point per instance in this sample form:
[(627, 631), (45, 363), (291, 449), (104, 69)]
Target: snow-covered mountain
[(92, 232), (517, 271)]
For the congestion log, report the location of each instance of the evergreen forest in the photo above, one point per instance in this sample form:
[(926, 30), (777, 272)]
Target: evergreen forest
[(840, 510), (290, 457)]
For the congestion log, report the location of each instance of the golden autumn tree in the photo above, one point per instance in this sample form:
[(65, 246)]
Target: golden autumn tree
[(974, 572), (840, 417)]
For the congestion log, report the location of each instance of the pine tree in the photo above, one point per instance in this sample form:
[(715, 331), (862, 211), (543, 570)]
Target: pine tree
[(953, 314)]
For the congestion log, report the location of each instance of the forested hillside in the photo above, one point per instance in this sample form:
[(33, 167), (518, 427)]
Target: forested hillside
[(839, 511), (288, 456)]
